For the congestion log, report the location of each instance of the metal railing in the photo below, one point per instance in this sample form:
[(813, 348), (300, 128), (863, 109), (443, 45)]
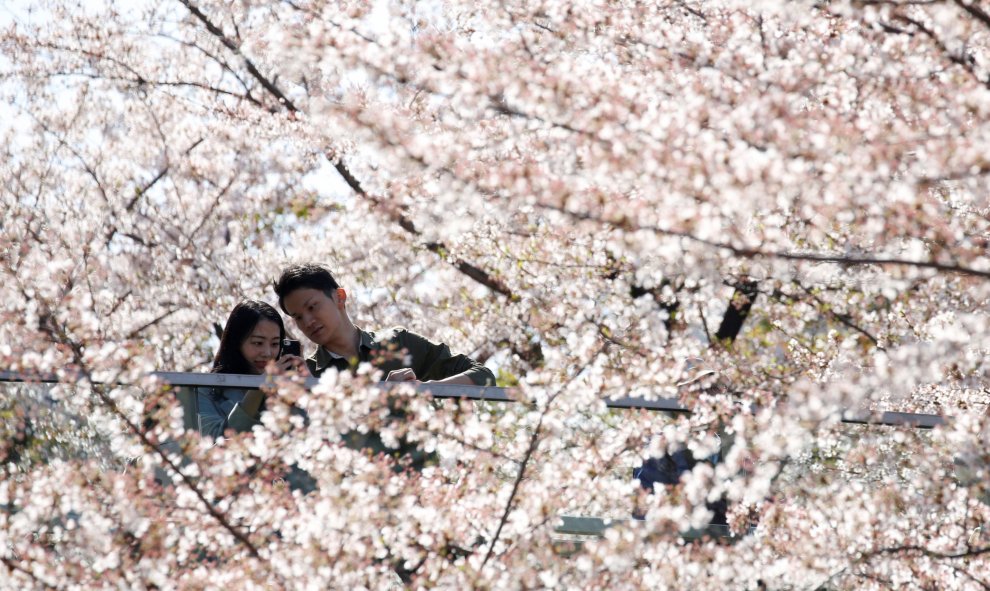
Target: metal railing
[(488, 393), (185, 383)]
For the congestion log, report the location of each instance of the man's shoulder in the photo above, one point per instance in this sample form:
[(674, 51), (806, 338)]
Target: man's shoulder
[(399, 338), (385, 336)]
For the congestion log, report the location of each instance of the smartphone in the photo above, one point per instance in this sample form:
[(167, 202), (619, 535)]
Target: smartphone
[(291, 347)]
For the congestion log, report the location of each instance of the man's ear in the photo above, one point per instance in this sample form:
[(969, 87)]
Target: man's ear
[(341, 297)]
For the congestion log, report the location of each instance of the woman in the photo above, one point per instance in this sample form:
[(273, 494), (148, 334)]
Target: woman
[(251, 341)]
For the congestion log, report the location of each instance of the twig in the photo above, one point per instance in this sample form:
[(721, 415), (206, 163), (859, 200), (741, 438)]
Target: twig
[(252, 69), (533, 443), (704, 323), (60, 337), (15, 568), (753, 252)]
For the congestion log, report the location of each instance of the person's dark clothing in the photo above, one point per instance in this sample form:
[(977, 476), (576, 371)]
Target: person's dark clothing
[(668, 469), (392, 349), (398, 348)]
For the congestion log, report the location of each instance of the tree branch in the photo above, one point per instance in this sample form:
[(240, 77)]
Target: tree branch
[(472, 271), (533, 444), (844, 319), (975, 11), (58, 335), (229, 44), (754, 253), (966, 61), (737, 311), (137, 331), (13, 567), (161, 174)]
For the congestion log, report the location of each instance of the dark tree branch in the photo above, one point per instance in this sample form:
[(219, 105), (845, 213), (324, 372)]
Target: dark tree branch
[(902, 2), (692, 11), (14, 567), (476, 273), (914, 549), (58, 335), (964, 60), (209, 213), (844, 319), (141, 82), (90, 171), (737, 311), (670, 305), (223, 64), (161, 174), (983, 584), (146, 441), (850, 261), (472, 271), (973, 8), (229, 44), (755, 253), (923, 551), (137, 331), (533, 444), (704, 324)]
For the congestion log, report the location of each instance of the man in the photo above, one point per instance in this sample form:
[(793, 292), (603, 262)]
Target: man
[(312, 298)]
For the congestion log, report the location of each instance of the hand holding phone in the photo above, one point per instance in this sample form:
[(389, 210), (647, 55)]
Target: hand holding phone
[(290, 358), (291, 347)]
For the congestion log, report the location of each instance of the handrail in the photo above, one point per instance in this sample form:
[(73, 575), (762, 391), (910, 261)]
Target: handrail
[(483, 393), (908, 419), (492, 393), (590, 526)]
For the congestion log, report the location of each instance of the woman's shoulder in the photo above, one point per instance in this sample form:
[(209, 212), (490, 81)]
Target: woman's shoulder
[(221, 394)]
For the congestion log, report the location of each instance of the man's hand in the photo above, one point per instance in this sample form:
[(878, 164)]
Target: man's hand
[(402, 375)]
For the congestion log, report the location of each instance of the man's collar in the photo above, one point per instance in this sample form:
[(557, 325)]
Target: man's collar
[(366, 340)]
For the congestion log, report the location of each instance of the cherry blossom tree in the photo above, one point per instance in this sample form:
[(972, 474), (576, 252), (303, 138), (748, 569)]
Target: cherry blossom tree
[(773, 211)]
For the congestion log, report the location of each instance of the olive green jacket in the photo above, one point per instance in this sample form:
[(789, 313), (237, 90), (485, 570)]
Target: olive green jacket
[(392, 349), (398, 348)]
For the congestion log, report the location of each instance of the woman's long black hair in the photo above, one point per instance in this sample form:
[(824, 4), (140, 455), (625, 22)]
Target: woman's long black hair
[(241, 322)]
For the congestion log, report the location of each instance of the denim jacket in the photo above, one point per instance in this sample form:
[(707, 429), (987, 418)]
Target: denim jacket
[(221, 408)]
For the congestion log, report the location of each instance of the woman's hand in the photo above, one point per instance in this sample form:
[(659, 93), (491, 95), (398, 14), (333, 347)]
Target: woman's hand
[(289, 363)]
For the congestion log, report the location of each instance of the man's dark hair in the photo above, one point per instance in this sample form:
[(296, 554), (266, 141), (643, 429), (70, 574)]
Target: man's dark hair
[(308, 276)]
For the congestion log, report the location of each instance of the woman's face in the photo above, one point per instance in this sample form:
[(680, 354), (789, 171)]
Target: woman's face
[(262, 345)]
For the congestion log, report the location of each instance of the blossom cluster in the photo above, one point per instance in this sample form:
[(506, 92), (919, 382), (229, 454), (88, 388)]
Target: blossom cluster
[(773, 212)]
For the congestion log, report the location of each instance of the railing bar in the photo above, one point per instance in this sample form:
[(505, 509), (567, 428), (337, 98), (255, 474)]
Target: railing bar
[(664, 404), (580, 525), (894, 419), (481, 393)]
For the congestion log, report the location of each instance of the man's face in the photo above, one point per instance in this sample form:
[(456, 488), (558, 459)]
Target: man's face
[(318, 316)]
